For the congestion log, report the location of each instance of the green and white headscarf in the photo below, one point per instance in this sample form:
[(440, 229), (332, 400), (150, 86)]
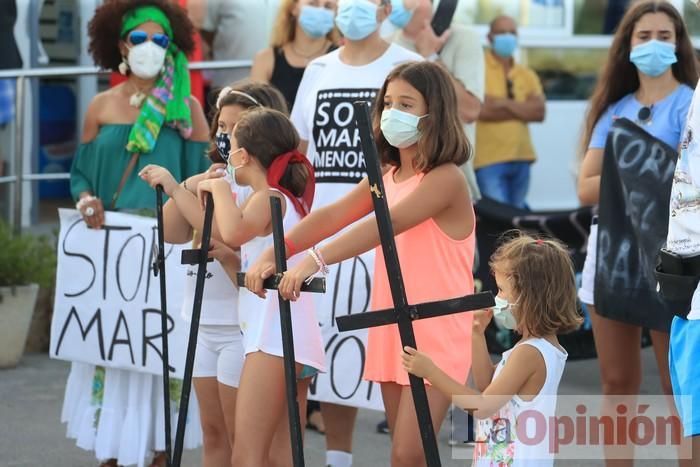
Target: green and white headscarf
[(168, 102)]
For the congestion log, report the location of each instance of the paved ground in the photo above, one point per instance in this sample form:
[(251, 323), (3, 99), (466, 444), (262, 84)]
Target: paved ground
[(31, 435)]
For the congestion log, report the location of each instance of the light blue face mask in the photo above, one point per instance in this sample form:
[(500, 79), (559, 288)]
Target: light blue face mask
[(400, 128), (357, 19), (503, 314), (316, 21), (653, 57), (399, 16), (504, 45)]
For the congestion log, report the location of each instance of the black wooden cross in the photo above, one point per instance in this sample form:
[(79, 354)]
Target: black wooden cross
[(402, 314), (201, 258), (318, 285), (159, 268)]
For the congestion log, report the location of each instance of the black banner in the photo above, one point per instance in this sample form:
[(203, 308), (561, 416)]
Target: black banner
[(635, 189), (339, 157)]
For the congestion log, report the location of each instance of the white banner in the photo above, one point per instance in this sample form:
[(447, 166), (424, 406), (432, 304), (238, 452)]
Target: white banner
[(107, 308), (107, 304), (346, 354), (347, 292)]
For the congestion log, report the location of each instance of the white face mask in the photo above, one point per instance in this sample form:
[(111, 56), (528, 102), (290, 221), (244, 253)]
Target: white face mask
[(231, 169), (503, 313), (146, 60), (400, 128)]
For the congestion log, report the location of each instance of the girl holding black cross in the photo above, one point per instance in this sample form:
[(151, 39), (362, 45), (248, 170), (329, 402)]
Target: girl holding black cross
[(219, 353), (263, 157), (421, 141)]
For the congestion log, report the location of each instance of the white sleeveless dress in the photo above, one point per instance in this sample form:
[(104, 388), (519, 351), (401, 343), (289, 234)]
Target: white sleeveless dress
[(497, 442), (259, 319)]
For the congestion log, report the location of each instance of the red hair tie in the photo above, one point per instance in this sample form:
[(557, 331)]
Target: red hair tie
[(276, 171)]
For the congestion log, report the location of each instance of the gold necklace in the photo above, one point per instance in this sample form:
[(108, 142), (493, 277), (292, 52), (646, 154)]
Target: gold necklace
[(307, 57)]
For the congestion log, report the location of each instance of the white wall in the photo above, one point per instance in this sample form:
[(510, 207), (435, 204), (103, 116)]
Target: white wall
[(553, 176)]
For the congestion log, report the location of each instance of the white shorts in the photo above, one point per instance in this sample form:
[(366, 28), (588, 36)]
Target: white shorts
[(219, 354), (586, 292)]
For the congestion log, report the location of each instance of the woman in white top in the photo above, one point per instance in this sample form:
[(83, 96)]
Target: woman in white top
[(537, 298)]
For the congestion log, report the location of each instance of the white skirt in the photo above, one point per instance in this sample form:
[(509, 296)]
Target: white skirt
[(587, 291), (127, 424)]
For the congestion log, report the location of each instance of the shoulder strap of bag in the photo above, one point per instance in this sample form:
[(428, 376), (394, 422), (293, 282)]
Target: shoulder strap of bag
[(127, 171)]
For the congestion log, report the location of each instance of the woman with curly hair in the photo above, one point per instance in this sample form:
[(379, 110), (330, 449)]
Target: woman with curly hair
[(304, 30), (151, 118)]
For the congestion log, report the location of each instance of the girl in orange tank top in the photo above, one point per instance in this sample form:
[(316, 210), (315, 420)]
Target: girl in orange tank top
[(422, 144)]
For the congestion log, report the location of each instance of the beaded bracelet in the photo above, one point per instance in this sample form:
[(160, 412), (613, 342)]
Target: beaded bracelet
[(316, 255)]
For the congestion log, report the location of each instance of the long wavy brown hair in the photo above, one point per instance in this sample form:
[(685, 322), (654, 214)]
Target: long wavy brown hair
[(619, 76)]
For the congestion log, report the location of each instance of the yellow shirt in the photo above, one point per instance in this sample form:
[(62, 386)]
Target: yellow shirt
[(508, 140)]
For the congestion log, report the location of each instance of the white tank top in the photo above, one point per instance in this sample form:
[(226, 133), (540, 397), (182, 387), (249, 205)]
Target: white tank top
[(497, 439), (220, 300), (260, 318)]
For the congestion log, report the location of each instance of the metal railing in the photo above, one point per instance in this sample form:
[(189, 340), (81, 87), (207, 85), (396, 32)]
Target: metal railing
[(21, 76)]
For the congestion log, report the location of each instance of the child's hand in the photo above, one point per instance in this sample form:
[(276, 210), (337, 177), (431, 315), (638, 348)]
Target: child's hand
[(417, 363), (224, 254), (208, 186), (482, 318), (261, 269), (290, 285), (216, 170), (156, 175)]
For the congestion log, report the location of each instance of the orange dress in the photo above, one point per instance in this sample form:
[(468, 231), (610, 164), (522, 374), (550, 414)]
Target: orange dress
[(434, 267)]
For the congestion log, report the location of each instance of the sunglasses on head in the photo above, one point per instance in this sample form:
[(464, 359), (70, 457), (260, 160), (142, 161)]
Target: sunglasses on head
[(139, 37)]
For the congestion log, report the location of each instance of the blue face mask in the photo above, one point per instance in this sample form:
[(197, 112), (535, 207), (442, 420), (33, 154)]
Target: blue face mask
[(399, 16), (316, 21), (504, 44), (503, 314), (357, 19), (400, 128), (223, 145), (654, 57)]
